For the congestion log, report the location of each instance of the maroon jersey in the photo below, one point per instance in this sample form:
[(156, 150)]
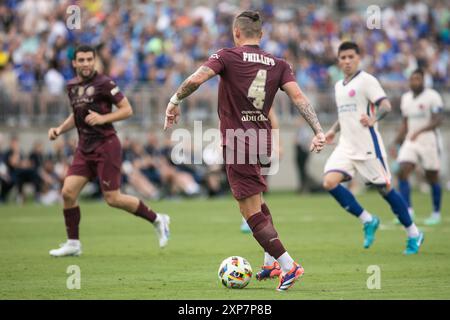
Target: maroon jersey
[(249, 80), (98, 94)]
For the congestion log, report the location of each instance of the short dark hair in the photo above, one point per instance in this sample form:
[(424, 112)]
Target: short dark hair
[(419, 71), (348, 45), (250, 23), (83, 48)]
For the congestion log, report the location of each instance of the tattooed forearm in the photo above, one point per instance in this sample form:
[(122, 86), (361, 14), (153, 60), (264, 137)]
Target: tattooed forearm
[(194, 81), (186, 88), (308, 112)]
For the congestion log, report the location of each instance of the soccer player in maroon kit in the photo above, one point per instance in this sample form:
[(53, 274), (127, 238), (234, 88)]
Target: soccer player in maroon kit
[(99, 152), (249, 80)]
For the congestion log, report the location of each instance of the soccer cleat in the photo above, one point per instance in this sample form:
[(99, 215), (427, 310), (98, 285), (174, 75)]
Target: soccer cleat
[(269, 272), (413, 244), (433, 220), (161, 225), (369, 231), (288, 280), (245, 227), (69, 248)]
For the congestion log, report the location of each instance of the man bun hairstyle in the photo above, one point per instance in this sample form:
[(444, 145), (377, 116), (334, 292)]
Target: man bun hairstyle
[(250, 23)]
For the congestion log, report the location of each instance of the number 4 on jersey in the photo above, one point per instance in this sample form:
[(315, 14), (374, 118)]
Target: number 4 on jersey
[(257, 89)]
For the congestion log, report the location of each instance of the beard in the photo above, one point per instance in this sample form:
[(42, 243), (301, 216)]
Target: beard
[(85, 74)]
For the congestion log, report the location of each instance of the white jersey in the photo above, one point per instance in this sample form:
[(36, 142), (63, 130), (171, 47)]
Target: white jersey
[(418, 112), (359, 96)]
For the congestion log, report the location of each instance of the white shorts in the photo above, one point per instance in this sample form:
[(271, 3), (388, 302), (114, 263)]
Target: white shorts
[(374, 171), (427, 154)]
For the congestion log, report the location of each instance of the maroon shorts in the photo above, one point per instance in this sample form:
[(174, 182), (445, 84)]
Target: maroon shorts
[(245, 180), (104, 162)]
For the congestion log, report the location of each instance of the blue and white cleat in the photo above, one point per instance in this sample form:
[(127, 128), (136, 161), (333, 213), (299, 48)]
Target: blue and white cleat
[(269, 272), (288, 280), (369, 231), (413, 244)]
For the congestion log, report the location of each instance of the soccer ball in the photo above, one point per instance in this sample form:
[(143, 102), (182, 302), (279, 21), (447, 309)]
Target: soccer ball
[(235, 272)]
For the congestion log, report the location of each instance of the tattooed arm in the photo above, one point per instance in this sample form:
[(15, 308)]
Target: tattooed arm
[(301, 102), (189, 85), (307, 111)]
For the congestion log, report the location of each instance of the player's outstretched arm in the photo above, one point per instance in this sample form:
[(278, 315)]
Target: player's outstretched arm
[(192, 83), (307, 111), (67, 125), (124, 111)]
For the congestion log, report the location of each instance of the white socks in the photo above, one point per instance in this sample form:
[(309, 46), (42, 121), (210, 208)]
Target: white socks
[(286, 262), (436, 215), (412, 231), (365, 217), (73, 242), (268, 259)]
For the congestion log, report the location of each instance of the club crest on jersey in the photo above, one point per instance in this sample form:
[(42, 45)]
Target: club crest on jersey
[(90, 91), (352, 93), (214, 56)]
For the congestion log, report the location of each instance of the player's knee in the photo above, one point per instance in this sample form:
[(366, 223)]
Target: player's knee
[(383, 189), (68, 195), (403, 174), (432, 177), (405, 171), (112, 199), (329, 184)]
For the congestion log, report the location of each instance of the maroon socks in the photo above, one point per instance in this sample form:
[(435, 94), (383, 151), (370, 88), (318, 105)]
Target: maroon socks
[(72, 219), (266, 235), (266, 211), (144, 212)]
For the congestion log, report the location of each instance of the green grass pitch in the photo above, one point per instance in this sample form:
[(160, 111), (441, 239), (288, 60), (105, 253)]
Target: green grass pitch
[(121, 259)]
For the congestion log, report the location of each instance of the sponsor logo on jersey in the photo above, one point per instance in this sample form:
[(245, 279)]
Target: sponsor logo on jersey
[(80, 91), (253, 116), (351, 107)]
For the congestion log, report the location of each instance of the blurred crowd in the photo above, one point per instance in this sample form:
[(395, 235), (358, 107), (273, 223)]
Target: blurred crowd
[(155, 44), (149, 170), (149, 46)]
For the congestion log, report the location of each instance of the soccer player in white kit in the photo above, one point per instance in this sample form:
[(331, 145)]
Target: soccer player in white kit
[(419, 136), (361, 103)]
